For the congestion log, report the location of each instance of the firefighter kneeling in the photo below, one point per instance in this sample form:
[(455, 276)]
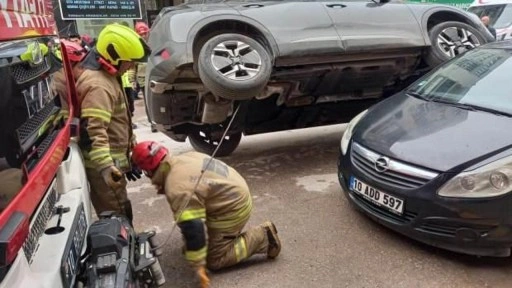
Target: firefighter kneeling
[(221, 197)]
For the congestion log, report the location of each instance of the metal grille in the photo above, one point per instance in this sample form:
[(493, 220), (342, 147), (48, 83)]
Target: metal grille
[(33, 124), (398, 174), (39, 223), (23, 72), (405, 218), (47, 142), (450, 229)]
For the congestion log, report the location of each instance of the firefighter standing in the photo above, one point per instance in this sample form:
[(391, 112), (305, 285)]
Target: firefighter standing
[(106, 137), (222, 198)]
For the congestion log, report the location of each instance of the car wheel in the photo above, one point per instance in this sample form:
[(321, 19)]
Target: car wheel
[(206, 141), (450, 39), (234, 66)]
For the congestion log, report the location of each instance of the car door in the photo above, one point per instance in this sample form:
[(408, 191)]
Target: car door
[(300, 28), (366, 25)]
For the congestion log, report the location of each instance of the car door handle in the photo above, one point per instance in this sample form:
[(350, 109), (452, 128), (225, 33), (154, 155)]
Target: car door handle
[(253, 6), (336, 6)]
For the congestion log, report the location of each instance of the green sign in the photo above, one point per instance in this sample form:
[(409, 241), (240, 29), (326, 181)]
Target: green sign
[(463, 4)]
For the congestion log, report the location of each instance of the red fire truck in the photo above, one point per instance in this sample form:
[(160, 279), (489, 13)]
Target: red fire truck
[(47, 235)]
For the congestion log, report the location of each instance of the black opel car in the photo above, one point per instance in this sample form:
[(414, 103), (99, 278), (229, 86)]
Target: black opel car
[(434, 162)]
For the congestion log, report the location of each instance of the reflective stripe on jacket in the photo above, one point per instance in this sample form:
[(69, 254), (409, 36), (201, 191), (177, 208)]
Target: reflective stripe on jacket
[(106, 127)]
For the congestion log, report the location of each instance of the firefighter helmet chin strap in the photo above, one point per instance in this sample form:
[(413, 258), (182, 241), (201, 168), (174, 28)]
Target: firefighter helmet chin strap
[(94, 61), (198, 180), (111, 69)]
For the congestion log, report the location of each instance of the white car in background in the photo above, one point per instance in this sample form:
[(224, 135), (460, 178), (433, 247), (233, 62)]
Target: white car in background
[(500, 14)]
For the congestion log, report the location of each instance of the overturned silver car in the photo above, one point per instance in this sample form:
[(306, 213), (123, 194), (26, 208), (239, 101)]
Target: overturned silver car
[(290, 64)]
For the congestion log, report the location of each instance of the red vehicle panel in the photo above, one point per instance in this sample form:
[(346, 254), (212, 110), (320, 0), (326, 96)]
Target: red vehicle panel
[(26, 18)]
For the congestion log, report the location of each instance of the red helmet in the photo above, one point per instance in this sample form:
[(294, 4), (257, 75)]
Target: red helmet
[(147, 155), (141, 28), (74, 51)]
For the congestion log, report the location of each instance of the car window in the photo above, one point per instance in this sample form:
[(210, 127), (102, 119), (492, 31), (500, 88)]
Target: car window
[(500, 15), (479, 78)]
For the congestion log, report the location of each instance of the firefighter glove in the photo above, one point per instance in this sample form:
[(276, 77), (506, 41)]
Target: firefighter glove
[(134, 174), (112, 176), (203, 276)]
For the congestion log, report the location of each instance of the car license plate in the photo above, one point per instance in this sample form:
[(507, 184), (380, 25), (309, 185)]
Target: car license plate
[(391, 203)]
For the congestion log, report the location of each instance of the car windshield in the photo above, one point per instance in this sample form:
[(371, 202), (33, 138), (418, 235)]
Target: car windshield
[(500, 15), (480, 80)]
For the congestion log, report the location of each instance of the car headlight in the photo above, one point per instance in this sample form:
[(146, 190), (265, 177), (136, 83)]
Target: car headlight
[(347, 135), (490, 180)]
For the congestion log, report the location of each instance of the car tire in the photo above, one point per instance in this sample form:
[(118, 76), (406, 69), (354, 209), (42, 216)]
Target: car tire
[(202, 142), (450, 39), (234, 66)]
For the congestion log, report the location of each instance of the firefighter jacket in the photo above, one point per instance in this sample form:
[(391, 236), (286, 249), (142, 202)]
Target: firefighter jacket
[(222, 196), (59, 88), (105, 122)]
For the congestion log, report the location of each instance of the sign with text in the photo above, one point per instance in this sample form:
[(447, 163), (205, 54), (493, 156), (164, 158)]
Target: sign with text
[(100, 9)]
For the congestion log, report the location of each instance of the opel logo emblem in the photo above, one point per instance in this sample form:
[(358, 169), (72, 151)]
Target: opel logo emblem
[(382, 164)]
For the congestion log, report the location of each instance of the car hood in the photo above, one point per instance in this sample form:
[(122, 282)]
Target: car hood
[(432, 135)]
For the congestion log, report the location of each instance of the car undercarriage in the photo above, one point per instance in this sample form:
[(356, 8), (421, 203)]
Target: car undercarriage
[(285, 73), (298, 96)]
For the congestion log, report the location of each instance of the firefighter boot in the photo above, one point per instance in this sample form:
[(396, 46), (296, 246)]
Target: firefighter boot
[(274, 244)]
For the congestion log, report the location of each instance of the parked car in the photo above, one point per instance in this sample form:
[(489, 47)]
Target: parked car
[(499, 13), (290, 64), (434, 162)]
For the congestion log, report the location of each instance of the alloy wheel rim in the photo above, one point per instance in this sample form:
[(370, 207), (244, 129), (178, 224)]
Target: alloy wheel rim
[(455, 40), (236, 60)]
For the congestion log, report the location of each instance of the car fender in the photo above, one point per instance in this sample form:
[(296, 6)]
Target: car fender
[(223, 17), (424, 15)]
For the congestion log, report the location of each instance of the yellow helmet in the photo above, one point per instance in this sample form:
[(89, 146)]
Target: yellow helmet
[(120, 43)]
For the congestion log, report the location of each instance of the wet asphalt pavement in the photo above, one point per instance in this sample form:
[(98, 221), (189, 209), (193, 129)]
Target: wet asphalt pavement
[(326, 243)]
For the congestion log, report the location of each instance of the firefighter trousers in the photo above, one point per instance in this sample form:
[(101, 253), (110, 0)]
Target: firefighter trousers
[(230, 246), (103, 198)]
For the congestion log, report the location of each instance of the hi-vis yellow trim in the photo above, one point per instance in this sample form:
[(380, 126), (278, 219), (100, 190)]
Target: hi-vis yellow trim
[(191, 214), (96, 113), (196, 256), (233, 220), (240, 249), (99, 152), (104, 155), (97, 157)]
